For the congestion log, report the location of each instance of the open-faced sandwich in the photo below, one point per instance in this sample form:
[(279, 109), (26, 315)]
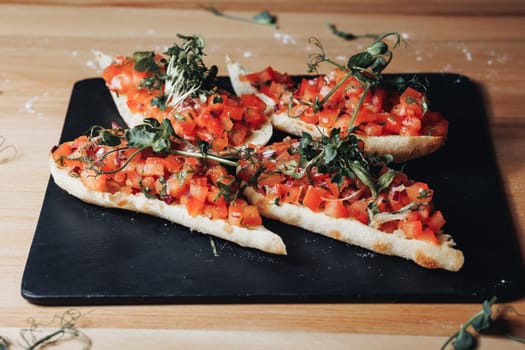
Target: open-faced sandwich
[(143, 170), (391, 116), (177, 85), (331, 187)]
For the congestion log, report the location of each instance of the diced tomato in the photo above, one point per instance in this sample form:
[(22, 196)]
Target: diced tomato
[(178, 185), (220, 142), (410, 126), (358, 210), (233, 112), (110, 162), (291, 193), (118, 77), (364, 116), (314, 197), (250, 216), (215, 196), (436, 221), (419, 192), (413, 216), (335, 209), (275, 90), (235, 210), (424, 212), (251, 100), (149, 184), (194, 206), (327, 117), (62, 155), (94, 182), (393, 124), (120, 178), (309, 116), (138, 99), (199, 188), (185, 124), (173, 163), (133, 179), (274, 193), (412, 229), (209, 122), (217, 210), (254, 118), (429, 236), (307, 90), (389, 226), (271, 179), (266, 74), (154, 166), (238, 134), (412, 102), (216, 173)]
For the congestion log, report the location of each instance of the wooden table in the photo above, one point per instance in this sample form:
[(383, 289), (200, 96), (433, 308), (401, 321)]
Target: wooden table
[(45, 48)]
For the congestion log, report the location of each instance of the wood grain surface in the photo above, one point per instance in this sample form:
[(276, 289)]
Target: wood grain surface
[(46, 46)]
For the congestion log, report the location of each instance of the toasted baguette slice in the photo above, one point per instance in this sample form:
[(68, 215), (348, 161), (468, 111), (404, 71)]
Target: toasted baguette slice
[(257, 237), (259, 136), (402, 148), (426, 254)]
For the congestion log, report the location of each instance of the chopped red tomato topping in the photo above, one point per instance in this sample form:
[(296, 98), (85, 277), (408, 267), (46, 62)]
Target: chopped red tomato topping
[(204, 188), (223, 120), (383, 112)]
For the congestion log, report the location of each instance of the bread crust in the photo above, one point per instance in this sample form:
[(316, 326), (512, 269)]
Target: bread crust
[(260, 136), (258, 237), (426, 254)]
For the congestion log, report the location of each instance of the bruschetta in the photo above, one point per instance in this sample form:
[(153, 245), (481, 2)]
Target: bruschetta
[(389, 122), (151, 85), (193, 192), (334, 189)]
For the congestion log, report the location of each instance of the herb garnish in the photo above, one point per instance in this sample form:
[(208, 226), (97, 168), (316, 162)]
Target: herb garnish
[(366, 66), (181, 74), (186, 73), (263, 18), (483, 321), (66, 331), (341, 157), (348, 36)]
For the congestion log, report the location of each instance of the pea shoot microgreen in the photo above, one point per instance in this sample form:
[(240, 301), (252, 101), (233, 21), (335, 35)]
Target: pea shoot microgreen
[(482, 321), (348, 36), (262, 18), (186, 73), (67, 331), (180, 74), (342, 158), (366, 66)]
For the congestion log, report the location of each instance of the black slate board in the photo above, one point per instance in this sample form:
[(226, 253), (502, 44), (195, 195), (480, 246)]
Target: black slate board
[(82, 254)]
